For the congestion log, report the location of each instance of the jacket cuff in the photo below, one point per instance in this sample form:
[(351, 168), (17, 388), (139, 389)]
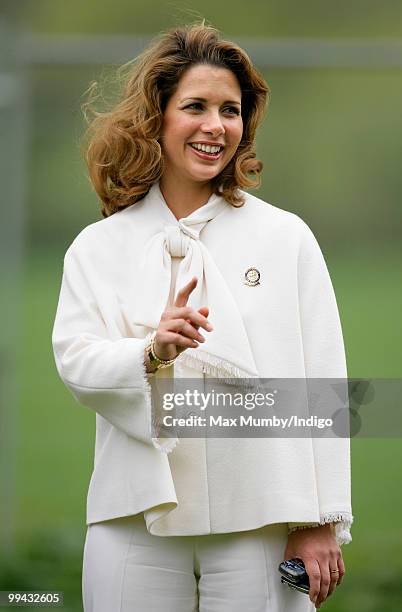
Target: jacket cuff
[(342, 521), (165, 445)]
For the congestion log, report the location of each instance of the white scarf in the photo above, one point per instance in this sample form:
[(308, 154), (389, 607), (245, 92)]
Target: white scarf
[(226, 352)]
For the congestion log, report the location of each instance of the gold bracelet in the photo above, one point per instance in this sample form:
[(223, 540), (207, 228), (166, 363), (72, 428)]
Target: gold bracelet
[(154, 360)]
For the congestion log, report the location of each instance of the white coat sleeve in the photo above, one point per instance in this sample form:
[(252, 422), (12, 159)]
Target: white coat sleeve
[(324, 357), (103, 371)]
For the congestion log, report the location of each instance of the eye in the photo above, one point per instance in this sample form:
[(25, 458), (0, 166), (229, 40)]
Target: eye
[(194, 104), (234, 109)]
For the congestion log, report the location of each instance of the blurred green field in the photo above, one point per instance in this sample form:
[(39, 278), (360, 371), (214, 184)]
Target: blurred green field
[(55, 447)]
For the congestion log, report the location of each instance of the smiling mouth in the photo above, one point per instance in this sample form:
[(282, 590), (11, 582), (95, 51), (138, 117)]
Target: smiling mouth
[(205, 154)]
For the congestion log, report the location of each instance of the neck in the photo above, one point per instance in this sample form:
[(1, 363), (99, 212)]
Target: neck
[(184, 198)]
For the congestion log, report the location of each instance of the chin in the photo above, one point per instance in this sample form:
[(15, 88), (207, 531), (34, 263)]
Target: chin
[(205, 176)]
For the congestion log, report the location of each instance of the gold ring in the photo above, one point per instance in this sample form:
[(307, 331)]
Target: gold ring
[(334, 571)]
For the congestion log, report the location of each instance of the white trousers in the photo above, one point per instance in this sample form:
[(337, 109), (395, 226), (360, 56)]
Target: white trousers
[(126, 569)]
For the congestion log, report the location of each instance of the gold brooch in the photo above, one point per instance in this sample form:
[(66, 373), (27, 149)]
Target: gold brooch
[(252, 277)]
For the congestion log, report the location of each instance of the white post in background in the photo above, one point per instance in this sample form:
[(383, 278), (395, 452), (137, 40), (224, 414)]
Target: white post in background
[(14, 100)]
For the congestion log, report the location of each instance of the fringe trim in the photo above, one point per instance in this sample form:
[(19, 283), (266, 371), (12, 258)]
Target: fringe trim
[(214, 366), (302, 526), (342, 533), (162, 443), (167, 446), (335, 517), (343, 524)]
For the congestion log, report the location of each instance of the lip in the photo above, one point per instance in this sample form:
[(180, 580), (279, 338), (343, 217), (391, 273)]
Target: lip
[(206, 156)]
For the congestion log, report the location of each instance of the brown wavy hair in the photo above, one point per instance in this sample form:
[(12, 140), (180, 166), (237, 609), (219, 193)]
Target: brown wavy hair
[(121, 145)]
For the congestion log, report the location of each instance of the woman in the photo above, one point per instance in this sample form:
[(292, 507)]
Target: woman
[(189, 276)]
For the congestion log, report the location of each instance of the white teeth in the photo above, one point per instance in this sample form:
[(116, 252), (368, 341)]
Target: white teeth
[(206, 148)]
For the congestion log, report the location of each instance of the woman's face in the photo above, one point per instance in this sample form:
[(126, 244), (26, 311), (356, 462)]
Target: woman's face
[(204, 110)]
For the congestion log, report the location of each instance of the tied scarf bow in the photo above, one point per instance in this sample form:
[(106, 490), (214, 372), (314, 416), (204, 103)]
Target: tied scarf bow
[(226, 352)]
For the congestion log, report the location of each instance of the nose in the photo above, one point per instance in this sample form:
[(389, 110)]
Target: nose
[(213, 124)]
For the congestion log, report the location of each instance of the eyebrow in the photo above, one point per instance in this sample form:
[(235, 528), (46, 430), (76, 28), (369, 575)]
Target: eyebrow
[(204, 100)]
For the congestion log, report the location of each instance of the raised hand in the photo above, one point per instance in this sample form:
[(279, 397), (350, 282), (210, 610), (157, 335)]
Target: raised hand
[(179, 325)]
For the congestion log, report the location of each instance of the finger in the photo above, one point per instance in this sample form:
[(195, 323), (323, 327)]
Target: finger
[(182, 326), (325, 583), (192, 316), (184, 293), (341, 568), (334, 575), (314, 574), (178, 340), (204, 310)]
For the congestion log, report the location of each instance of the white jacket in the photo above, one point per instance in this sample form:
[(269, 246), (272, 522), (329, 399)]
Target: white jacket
[(292, 327)]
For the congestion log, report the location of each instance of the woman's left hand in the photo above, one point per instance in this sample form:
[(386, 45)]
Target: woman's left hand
[(322, 558)]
